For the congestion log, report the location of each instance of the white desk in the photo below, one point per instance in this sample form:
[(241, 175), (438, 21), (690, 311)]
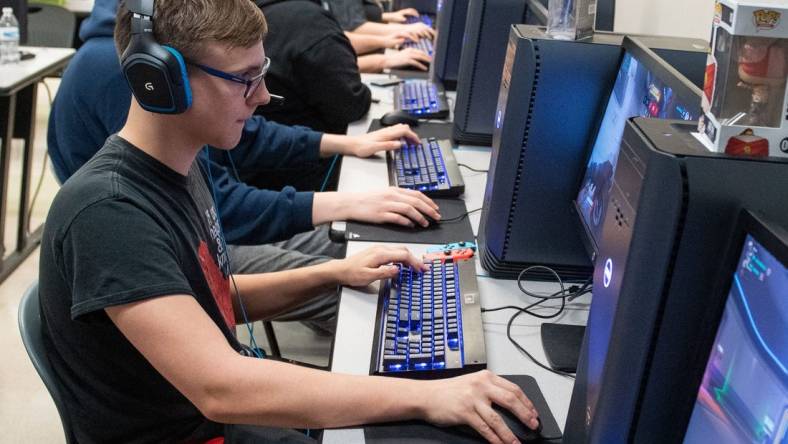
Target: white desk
[(352, 349), (81, 8), (18, 94)]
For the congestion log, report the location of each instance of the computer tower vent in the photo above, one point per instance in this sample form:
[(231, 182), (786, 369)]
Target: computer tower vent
[(475, 65), (524, 147)]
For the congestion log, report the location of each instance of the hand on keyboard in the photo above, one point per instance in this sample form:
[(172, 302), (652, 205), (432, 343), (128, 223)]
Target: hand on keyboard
[(419, 30), (392, 205), (385, 139), (468, 400), (374, 264), (407, 57)]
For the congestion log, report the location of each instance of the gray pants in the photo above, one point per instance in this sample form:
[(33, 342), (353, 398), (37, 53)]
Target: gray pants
[(310, 248)]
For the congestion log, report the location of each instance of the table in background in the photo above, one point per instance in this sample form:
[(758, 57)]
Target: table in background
[(18, 93)]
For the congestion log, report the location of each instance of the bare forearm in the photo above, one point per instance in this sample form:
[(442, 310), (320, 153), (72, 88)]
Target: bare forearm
[(371, 63), (281, 395), (331, 144), (365, 43), (375, 28), (268, 294), (329, 207)]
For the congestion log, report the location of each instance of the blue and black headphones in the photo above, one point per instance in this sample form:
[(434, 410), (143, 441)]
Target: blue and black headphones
[(155, 73)]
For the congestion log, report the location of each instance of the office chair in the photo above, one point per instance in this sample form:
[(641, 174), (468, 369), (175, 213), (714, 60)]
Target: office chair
[(50, 25), (32, 336)]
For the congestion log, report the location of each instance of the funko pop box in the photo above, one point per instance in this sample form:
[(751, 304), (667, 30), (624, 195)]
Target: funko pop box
[(745, 100)]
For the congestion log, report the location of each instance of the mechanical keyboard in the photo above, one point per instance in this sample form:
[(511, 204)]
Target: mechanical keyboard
[(423, 18), (421, 98), (422, 44), (429, 324), (429, 167)]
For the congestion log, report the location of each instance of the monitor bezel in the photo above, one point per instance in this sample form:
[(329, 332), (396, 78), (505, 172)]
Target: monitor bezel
[(773, 238), (681, 87)]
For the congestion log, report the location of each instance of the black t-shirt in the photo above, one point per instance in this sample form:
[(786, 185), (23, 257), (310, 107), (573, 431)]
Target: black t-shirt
[(314, 66), (127, 228)]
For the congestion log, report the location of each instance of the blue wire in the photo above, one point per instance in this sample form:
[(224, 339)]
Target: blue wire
[(328, 173), (252, 342)]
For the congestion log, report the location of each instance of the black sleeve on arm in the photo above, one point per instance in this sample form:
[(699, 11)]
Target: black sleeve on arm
[(115, 253), (329, 73)]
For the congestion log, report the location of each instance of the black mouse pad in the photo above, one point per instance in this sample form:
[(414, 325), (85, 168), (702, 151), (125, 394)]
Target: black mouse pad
[(422, 433), (438, 130), (454, 227)]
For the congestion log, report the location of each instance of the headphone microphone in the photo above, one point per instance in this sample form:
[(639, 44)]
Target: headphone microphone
[(276, 100)]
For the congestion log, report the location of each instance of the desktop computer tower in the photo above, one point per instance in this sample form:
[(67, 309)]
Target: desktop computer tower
[(673, 207), (546, 115), (450, 26), (483, 52), (20, 11)]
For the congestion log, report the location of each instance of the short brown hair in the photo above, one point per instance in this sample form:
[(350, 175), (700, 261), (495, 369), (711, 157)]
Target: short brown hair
[(186, 25)]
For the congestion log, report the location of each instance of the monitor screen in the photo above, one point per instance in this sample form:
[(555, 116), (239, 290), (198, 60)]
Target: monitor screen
[(743, 397), (638, 91)]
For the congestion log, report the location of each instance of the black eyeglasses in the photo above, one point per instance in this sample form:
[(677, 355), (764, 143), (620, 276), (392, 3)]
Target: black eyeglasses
[(251, 84)]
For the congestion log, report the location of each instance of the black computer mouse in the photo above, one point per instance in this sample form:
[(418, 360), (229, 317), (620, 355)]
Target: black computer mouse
[(520, 430), (398, 116)]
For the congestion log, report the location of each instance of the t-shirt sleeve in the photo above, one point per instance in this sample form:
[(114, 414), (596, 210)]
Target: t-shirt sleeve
[(349, 13), (115, 253)]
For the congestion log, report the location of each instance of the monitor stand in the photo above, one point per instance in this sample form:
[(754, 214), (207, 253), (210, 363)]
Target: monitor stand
[(561, 343)]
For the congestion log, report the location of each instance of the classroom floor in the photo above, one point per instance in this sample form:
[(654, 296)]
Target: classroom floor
[(27, 413)]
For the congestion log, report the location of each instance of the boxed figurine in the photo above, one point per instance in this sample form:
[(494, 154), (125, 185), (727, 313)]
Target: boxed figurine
[(570, 19), (745, 100)]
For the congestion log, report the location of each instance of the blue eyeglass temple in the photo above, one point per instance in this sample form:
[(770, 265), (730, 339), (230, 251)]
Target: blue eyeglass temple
[(233, 78)]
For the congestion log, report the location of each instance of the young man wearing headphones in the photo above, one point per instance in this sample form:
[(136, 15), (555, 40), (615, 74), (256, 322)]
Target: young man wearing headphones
[(92, 103), (137, 297)]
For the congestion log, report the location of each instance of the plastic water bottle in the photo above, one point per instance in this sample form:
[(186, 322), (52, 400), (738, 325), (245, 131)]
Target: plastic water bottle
[(9, 37)]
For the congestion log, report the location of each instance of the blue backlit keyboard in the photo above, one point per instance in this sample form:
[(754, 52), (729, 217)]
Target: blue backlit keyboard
[(422, 18), (429, 167), (422, 44), (429, 325), (421, 98)]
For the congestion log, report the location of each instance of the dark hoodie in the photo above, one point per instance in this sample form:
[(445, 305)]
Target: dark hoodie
[(92, 103), (313, 65)]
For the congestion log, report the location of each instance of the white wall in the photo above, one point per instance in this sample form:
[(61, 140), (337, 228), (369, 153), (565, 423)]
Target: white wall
[(681, 18)]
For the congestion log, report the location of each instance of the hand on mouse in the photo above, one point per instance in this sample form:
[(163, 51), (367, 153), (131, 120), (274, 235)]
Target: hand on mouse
[(386, 139), (374, 264), (468, 400), (391, 205)]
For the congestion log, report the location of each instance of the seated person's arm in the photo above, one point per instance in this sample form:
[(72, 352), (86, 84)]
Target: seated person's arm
[(408, 57), (251, 215), (415, 30), (232, 389), (400, 16), (366, 43)]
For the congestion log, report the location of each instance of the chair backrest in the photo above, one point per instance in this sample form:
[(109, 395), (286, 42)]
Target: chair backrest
[(31, 328), (50, 25)]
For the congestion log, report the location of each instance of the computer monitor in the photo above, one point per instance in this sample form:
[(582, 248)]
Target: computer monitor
[(743, 394), (645, 86), (450, 26), (673, 209), (20, 11)]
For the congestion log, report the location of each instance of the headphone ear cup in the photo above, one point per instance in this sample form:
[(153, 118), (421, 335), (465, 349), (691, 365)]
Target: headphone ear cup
[(157, 76)]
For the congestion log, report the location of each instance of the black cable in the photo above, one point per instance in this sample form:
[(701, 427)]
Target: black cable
[(472, 169), (563, 294), (452, 220)]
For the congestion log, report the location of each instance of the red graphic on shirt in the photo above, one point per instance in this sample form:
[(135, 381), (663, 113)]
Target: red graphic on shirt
[(219, 284)]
